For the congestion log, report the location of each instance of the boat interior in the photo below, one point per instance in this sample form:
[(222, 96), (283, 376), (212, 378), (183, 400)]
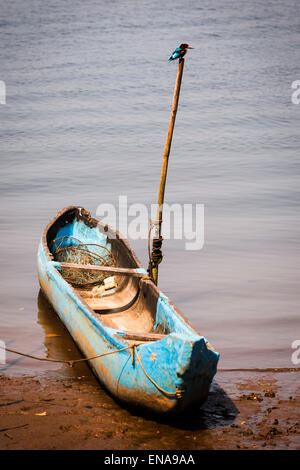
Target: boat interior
[(124, 302)]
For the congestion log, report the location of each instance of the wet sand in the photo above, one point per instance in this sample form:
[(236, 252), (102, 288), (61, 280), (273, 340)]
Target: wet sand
[(58, 407), (255, 411)]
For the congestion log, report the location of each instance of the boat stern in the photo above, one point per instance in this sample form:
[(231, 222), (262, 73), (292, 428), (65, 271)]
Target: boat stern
[(170, 375), (197, 366)]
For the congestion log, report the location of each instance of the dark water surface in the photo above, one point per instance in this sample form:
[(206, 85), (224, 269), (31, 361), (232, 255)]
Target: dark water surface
[(88, 99)]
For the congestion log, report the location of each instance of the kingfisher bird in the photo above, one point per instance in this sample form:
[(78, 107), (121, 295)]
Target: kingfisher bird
[(180, 51)]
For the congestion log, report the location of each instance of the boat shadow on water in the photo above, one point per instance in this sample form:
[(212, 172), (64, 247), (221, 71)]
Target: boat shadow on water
[(217, 411)]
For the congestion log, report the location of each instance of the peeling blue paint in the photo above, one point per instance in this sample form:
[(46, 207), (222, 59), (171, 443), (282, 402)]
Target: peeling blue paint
[(181, 360)]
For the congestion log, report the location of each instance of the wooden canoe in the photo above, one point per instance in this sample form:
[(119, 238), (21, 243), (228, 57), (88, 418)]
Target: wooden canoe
[(157, 360)]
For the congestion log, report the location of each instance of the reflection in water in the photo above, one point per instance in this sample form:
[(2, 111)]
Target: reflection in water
[(58, 342), (217, 411), (83, 130)]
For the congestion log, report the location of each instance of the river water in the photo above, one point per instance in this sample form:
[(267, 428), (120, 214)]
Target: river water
[(88, 97)]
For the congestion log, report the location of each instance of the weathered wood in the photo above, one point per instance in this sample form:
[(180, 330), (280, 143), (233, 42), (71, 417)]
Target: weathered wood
[(169, 374), (108, 269), (166, 154)]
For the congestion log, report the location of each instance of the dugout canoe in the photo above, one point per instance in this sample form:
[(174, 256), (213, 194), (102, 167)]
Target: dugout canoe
[(151, 357)]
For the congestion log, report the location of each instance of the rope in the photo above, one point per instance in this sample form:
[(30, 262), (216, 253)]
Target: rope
[(269, 369), (145, 278), (177, 394), (133, 348), (82, 253), (157, 255), (155, 258), (71, 362)]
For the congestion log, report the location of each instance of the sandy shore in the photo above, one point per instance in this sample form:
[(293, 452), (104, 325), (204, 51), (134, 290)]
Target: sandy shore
[(256, 411)]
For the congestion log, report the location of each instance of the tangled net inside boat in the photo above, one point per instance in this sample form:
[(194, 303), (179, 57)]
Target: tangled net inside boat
[(69, 249)]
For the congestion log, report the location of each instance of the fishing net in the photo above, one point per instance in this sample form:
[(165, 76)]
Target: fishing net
[(68, 249)]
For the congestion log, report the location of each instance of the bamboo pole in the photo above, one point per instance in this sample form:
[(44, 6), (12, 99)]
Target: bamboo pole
[(153, 266)]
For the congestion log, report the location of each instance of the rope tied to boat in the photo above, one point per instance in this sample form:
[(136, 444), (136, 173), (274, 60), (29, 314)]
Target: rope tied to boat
[(70, 362), (156, 256), (178, 394), (145, 277), (133, 351)]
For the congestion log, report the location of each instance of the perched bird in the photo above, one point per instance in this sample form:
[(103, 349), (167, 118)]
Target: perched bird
[(180, 51)]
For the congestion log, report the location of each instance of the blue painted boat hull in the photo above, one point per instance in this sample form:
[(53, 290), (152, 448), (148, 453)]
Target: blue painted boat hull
[(171, 368)]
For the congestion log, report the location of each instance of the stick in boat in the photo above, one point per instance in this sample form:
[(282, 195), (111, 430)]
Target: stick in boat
[(108, 269), (156, 255)]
